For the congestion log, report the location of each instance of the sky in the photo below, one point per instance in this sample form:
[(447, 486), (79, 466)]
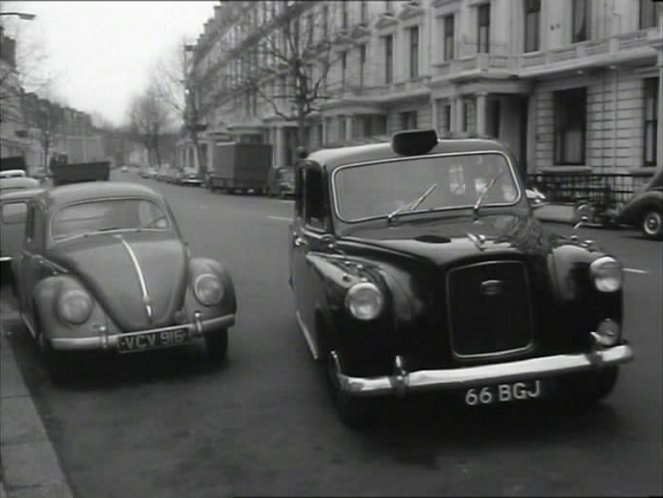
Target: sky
[(101, 54)]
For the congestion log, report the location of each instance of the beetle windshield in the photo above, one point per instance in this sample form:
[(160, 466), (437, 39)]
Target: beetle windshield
[(392, 188), (106, 215)]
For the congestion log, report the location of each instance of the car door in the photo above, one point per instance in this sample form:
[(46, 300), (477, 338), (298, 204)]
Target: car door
[(12, 227), (309, 225), (30, 263)]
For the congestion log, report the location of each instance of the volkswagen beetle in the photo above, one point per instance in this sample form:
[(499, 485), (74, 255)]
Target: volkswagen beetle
[(417, 265), (104, 267), (645, 209)]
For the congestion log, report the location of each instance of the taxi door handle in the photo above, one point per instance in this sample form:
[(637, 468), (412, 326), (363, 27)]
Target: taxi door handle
[(298, 241)]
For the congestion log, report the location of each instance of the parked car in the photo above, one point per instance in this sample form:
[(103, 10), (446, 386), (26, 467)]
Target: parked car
[(12, 173), (417, 265), (11, 184), (189, 178), (124, 169), (148, 173), (104, 267), (645, 209), (281, 182), (13, 208)]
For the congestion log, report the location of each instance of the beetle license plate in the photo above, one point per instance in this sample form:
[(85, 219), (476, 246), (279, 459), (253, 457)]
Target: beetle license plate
[(502, 393), (153, 340)]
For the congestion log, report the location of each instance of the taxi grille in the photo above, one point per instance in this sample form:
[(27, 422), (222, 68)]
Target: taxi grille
[(489, 309)]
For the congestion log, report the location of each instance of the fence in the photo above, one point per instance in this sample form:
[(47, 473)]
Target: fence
[(610, 190)]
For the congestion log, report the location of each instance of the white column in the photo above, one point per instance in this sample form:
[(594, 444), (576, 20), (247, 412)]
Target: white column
[(435, 103), (348, 129), (280, 146), (459, 124), (481, 113)]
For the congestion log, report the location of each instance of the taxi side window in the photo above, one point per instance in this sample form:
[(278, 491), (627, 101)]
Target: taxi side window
[(30, 224), (314, 214)]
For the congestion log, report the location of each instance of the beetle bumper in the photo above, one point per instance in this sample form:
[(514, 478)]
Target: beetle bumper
[(402, 381), (105, 341)]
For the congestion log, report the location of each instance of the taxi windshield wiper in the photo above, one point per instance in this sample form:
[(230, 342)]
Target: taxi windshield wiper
[(481, 198), (411, 206)]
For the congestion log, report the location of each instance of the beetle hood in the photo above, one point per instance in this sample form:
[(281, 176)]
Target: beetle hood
[(106, 266), (442, 242)]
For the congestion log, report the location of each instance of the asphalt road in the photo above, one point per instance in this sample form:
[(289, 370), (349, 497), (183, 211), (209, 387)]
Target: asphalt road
[(168, 425)]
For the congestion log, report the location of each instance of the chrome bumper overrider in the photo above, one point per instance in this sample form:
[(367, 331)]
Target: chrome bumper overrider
[(106, 341), (402, 381)]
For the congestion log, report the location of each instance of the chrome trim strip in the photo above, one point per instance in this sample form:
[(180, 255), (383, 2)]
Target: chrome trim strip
[(141, 277), (110, 341), (462, 378), (307, 335), (5, 258), (492, 354), (514, 178)]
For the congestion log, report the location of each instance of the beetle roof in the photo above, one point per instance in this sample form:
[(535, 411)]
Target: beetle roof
[(332, 158), (66, 194)]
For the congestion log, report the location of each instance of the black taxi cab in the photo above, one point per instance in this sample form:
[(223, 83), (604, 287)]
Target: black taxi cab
[(417, 265)]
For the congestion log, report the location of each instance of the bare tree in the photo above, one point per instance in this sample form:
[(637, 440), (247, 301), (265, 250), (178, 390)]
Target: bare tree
[(288, 61), (47, 118), (148, 120), (179, 88)]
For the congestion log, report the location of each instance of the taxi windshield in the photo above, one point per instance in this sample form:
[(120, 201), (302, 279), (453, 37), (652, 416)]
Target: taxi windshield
[(107, 215), (412, 185)]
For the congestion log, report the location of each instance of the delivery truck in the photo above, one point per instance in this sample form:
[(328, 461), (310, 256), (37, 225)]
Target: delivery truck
[(65, 172), (240, 167)]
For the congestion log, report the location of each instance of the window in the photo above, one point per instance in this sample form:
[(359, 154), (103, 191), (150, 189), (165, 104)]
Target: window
[(409, 120), (651, 120), (364, 12), (446, 117), (483, 31), (366, 126), (570, 121), (344, 66), (325, 21), (362, 64), (580, 21), (414, 52), (344, 15), (389, 7), (341, 129), (310, 27), (448, 37), (314, 216), (388, 58), (532, 23), (650, 13), (14, 212)]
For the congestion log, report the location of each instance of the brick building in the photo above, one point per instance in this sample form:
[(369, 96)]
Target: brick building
[(569, 85)]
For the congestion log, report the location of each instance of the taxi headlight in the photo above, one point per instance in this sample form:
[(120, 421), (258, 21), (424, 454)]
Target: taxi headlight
[(606, 274), (208, 289), (75, 306), (364, 301)]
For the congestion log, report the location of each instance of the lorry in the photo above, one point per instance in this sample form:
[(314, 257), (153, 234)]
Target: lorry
[(240, 167), (64, 172)]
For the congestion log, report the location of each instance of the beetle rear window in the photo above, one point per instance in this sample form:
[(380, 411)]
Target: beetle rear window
[(375, 190), (108, 215)]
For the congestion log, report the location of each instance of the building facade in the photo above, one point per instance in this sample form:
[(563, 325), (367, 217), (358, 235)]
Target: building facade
[(568, 85)]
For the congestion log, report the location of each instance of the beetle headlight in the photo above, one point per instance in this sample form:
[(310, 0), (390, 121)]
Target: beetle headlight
[(364, 301), (208, 289), (606, 273), (75, 306)]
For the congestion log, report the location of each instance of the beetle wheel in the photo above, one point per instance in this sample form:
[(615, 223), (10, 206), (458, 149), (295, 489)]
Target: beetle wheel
[(216, 343), (652, 224)]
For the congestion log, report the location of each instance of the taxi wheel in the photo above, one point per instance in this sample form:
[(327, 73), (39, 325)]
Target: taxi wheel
[(217, 345), (590, 387), (355, 412)]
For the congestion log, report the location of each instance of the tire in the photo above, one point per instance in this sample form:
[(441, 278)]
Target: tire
[(357, 413), (588, 388), (216, 344), (652, 224)]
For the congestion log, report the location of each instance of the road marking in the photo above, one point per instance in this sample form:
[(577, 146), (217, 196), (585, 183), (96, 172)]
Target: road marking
[(635, 270), (287, 201), (280, 218)]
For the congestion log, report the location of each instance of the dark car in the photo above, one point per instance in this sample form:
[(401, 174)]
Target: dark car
[(645, 209), (417, 265), (104, 267), (281, 182)]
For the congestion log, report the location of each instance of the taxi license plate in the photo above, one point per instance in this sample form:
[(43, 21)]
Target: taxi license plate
[(153, 340), (502, 393)]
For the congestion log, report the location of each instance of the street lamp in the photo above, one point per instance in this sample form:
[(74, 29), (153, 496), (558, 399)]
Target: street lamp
[(21, 15)]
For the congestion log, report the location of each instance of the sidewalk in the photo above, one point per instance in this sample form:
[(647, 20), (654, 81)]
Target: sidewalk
[(29, 466)]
